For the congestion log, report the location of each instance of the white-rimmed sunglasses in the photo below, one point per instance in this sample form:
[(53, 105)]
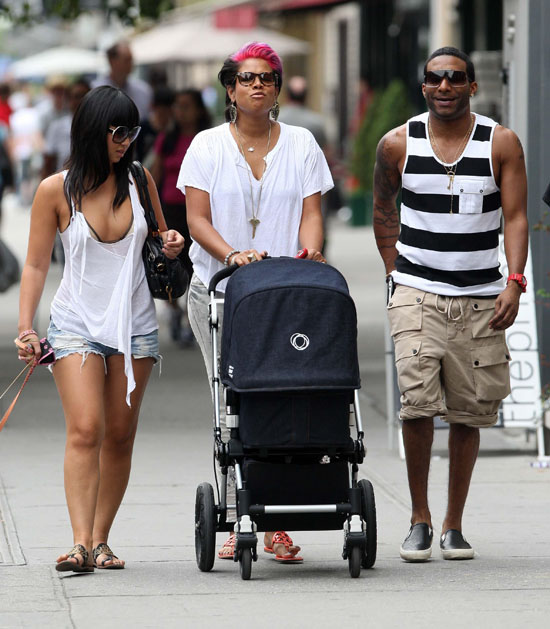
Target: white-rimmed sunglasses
[(119, 134)]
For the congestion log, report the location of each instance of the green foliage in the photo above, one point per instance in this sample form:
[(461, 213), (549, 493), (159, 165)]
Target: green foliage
[(387, 110), (129, 11)]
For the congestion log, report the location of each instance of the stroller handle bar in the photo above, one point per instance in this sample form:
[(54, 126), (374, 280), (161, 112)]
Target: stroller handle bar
[(221, 275), (228, 271)]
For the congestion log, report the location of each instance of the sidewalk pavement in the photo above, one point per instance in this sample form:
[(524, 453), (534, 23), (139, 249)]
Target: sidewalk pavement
[(507, 515)]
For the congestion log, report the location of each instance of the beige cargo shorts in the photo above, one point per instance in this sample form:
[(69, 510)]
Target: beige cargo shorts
[(449, 362)]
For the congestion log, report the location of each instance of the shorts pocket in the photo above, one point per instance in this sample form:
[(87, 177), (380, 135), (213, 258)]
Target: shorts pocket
[(491, 372), (407, 363), (405, 310), (470, 195), (482, 312)]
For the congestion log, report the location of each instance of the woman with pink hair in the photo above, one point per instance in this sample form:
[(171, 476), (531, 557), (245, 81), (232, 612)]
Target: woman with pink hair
[(253, 185)]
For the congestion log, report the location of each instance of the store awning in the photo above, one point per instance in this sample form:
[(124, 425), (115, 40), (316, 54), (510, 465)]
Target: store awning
[(59, 60), (198, 40)]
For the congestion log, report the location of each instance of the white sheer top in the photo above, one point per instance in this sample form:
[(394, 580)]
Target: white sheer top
[(103, 295)]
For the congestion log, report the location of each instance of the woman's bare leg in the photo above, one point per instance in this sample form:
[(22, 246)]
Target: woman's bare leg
[(80, 387), (116, 451)]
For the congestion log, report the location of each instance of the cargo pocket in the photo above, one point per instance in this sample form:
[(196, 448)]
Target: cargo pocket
[(470, 196), (491, 372), (405, 310), (407, 363), (482, 312)]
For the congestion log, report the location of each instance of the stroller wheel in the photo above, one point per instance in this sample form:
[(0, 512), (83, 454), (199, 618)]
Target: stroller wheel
[(245, 563), (354, 558), (205, 527), (368, 513)]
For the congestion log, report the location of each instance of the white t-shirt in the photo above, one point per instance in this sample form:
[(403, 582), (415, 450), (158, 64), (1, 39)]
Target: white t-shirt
[(296, 169)]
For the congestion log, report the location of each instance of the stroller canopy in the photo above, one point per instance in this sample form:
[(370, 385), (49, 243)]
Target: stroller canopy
[(289, 324)]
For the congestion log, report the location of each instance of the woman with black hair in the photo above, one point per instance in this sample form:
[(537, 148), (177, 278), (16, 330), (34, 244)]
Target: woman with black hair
[(190, 117), (103, 327)]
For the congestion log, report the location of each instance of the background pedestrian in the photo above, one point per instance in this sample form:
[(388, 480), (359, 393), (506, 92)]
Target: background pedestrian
[(121, 64), (190, 116)]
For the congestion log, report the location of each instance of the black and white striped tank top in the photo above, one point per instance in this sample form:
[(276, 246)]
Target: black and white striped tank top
[(439, 251)]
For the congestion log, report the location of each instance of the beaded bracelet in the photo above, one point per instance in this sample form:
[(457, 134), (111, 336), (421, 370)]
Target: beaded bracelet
[(229, 255), (27, 333)]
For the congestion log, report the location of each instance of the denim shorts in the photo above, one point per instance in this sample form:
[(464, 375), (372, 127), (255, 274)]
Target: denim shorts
[(67, 343)]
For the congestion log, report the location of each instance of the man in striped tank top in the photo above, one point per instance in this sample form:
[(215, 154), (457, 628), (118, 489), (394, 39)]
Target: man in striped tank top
[(459, 174)]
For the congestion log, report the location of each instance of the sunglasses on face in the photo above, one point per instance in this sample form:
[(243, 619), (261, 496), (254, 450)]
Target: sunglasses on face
[(457, 78), (120, 134), (248, 78)]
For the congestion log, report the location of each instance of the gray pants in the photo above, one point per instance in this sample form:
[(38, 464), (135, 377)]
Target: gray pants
[(197, 309)]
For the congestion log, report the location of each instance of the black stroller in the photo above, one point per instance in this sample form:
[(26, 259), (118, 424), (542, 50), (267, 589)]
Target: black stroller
[(290, 375)]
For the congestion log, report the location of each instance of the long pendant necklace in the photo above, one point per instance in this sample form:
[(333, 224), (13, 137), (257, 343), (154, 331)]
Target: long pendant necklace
[(451, 170), (254, 221)]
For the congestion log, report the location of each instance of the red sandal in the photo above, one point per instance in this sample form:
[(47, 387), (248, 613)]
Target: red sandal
[(281, 537), (229, 544)]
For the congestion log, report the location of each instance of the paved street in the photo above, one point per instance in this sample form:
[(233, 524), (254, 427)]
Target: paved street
[(507, 516)]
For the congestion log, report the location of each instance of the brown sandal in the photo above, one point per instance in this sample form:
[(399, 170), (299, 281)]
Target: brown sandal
[(71, 566), (103, 549)]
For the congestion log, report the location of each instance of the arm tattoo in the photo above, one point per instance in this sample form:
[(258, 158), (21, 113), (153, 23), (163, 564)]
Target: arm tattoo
[(386, 176), (387, 180), (386, 216)]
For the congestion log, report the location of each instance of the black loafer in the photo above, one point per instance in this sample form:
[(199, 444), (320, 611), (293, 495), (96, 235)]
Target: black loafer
[(418, 543), (454, 546)]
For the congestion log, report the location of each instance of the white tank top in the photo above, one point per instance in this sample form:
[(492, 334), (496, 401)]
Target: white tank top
[(449, 238), (103, 295)]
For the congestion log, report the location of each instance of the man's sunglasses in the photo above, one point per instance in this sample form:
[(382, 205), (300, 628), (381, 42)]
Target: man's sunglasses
[(248, 78), (457, 78), (121, 133)]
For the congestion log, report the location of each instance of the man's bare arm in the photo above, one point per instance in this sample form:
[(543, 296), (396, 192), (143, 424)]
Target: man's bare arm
[(390, 154), (512, 179)]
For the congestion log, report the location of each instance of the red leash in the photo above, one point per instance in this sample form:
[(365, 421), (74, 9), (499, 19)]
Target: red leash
[(10, 408)]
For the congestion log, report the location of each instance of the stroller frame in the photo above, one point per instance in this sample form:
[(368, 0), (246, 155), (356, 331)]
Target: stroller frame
[(359, 511)]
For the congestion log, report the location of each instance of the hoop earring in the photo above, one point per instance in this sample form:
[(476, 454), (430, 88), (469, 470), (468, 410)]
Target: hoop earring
[(274, 111), (232, 112)]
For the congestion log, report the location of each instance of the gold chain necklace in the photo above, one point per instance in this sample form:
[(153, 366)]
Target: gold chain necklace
[(254, 221), (450, 170)]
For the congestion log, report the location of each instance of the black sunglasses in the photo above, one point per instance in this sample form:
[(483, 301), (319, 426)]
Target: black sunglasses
[(457, 78), (248, 78), (121, 133)]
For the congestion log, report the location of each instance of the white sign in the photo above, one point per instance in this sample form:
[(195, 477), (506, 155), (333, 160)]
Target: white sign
[(523, 407)]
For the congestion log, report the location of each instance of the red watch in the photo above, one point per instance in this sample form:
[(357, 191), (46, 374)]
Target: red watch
[(520, 279)]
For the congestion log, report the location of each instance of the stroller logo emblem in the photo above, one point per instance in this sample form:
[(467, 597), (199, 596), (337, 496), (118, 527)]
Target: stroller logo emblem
[(299, 341)]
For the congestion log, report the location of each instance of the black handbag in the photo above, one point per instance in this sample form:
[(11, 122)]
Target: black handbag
[(167, 278)]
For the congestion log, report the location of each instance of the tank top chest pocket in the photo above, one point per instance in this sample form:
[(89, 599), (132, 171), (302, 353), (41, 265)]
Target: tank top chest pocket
[(470, 194)]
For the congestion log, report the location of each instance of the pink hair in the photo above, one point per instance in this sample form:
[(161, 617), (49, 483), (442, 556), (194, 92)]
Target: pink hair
[(258, 50)]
